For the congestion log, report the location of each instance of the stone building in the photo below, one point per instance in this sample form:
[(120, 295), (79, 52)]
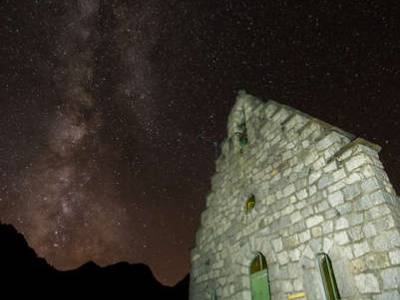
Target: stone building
[(298, 209)]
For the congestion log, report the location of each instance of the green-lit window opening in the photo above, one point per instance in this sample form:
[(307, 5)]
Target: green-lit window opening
[(250, 203), (328, 277), (242, 135), (214, 295), (243, 140)]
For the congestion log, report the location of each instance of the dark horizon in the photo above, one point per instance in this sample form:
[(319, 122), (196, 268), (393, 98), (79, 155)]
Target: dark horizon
[(21, 267), (111, 111)]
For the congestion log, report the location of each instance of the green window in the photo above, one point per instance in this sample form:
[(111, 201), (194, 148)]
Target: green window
[(259, 278), (328, 277), (241, 134), (214, 295)]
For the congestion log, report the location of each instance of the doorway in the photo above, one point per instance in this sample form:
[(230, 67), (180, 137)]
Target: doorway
[(259, 278)]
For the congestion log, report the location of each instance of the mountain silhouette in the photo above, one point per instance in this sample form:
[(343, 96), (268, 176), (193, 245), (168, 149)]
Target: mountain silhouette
[(23, 272)]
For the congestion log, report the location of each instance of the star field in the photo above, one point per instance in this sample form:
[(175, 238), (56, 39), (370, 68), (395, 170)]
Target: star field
[(112, 112)]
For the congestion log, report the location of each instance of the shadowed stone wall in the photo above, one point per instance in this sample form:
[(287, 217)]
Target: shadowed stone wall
[(318, 189)]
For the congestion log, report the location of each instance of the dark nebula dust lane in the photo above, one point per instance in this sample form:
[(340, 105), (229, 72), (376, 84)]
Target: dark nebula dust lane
[(93, 189), (70, 209), (111, 112)]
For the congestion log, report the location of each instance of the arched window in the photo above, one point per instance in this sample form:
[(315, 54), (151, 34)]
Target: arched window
[(328, 277), (259, 278)]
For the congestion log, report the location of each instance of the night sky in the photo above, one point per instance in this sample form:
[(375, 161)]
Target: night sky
[(111, 112)]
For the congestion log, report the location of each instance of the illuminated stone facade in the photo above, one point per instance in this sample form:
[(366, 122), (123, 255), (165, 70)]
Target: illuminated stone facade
[(291, 187)]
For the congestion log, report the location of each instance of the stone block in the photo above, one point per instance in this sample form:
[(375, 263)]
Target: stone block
[(378, 211), (336, 198), (319, 163), (294, 254), (358, 265), (325, 181), (392, 295), (356, 233), (298, 285), (295, 217), (331, 213), (283, 258), (386, 241), (312, 189), (327, 227), (277, 244), (344, 209), (341, 223), (291, 241), (352, 178), (369, 230), (328, 140), (351, 191), (339, 174), (314, 220), (286, 286), (327, 244), (341, 238), (304, 236), (302, 194), (367, 283), (377, 260), (322, 206), (330, 167), (307, 211), (385, 223), (288, 190), (360, 248), (391, 278), (339, 185), (370, 185), (394, 257), (355, 162)]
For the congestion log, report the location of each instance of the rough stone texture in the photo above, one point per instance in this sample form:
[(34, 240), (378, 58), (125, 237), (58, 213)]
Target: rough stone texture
[(317, 189)]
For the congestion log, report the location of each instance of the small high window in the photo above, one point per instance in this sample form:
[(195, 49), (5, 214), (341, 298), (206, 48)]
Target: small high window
[(250, 203), (242, 135), (241, 131), (328, 277)]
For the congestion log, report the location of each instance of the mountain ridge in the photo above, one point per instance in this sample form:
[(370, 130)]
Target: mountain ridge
[(20, 266)]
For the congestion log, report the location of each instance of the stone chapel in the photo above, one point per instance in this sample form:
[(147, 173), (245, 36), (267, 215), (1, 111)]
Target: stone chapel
[(298, 209)]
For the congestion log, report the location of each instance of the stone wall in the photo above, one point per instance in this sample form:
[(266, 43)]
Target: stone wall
[(317, 189)]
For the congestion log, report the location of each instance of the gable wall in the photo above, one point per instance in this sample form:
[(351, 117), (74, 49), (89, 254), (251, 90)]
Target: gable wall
[(317, 189)]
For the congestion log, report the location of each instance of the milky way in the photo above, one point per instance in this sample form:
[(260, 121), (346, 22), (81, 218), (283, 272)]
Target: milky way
[(112, 111), (68, 215), (75, 199)]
